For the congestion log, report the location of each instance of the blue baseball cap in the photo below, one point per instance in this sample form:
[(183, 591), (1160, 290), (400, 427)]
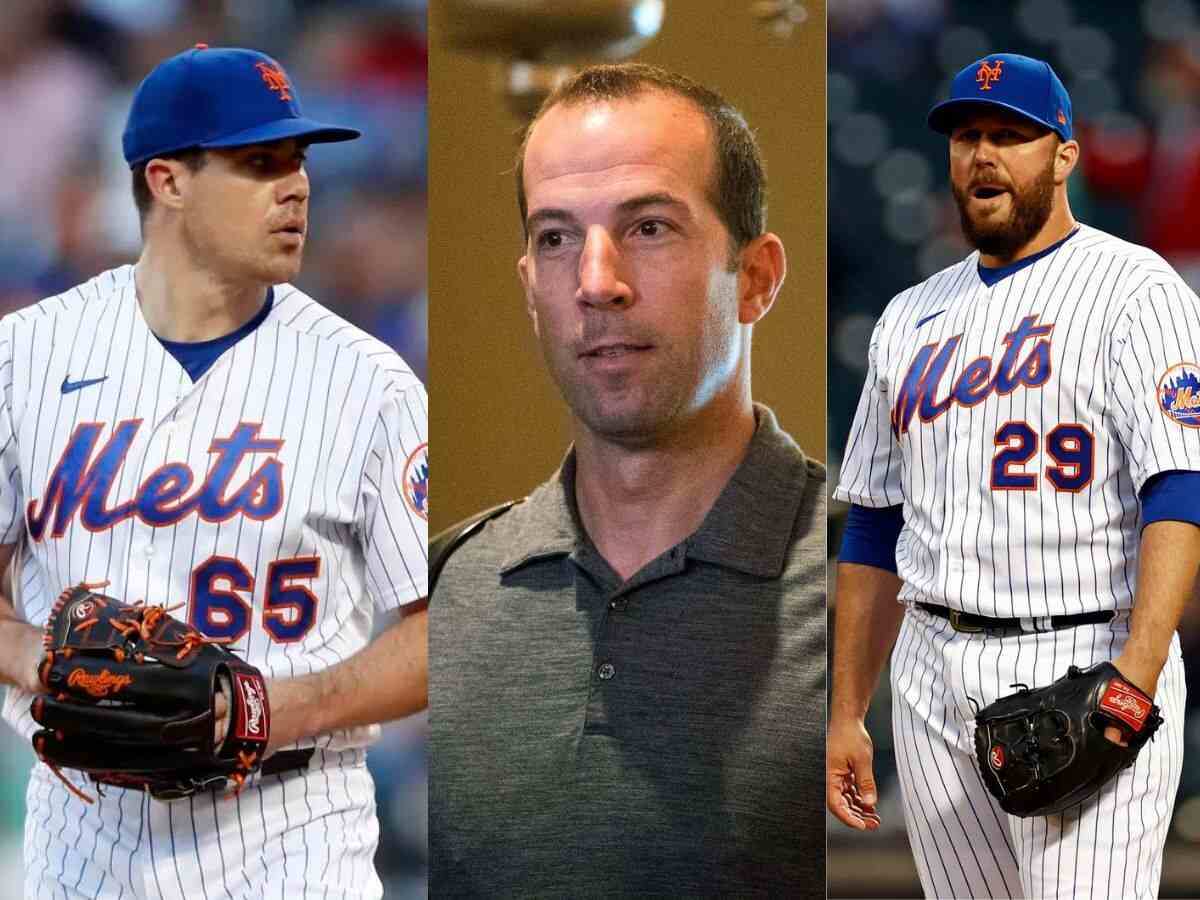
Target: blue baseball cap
[(1013, 82), (217, 97)]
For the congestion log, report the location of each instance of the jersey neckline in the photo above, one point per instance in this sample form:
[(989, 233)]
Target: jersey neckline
[(197, 357), (992, 276), (230, 339)]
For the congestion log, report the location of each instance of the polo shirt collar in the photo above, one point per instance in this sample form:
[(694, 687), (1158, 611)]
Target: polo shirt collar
[(550, 526), (748, 528)]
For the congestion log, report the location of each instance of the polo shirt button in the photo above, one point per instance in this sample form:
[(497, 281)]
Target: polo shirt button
[(618, 604), (606, 671)]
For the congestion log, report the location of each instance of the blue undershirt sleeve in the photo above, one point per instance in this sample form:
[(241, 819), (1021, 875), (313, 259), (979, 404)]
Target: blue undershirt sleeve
[(1171, 496), (871, 536)]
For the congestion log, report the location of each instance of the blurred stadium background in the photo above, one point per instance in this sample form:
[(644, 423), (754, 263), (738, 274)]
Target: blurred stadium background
[(67, 71), (1133, 72)]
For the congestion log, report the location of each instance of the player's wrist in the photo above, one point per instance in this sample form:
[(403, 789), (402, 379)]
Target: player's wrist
[(294, 714), (21, 668), (848, 712), (1142, 668)]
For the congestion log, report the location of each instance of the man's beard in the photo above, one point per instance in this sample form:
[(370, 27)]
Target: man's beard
[(1029, 211)]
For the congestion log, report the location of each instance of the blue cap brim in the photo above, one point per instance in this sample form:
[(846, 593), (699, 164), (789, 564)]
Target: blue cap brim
[(282, 129), (942, 117)]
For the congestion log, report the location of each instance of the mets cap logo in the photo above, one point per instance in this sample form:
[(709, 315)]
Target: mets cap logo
[(1179, 394), (275, 78), (416, 481), (986, 74)]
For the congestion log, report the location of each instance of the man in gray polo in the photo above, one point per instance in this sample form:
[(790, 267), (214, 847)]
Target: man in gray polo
[(628, 668)]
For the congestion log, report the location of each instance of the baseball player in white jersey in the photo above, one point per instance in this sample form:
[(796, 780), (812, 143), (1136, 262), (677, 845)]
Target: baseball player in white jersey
[(194, 430), (1022, 474)]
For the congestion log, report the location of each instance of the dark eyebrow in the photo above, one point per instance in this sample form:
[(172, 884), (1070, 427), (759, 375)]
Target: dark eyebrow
[(625, 208), (541, 216), (662, 198)]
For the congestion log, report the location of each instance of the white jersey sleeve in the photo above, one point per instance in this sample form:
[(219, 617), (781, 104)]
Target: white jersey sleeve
[(394, 509), (15, 707), (1155, 380), (12, 495), (871, 473)]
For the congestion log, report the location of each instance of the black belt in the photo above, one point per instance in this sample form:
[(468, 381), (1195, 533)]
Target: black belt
[(969, 623), (287, 760)]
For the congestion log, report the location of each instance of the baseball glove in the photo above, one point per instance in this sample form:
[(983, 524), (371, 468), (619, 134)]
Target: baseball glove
[(131, 700), (1043, 751)]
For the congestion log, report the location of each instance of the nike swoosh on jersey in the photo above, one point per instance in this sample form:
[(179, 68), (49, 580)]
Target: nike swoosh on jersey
[(921, 322), (68, 386)]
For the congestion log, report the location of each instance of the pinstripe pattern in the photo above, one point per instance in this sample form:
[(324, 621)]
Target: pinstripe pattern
[(1121, 318), (352, 421), (963, 843), (1014, 543), (272, 865)]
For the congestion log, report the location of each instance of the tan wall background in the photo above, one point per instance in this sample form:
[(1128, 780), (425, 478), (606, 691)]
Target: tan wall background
[(497, 424)]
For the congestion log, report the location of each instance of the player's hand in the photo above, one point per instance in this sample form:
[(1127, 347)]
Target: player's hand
[(292, 709), (850, 791), (1143, 674), (31, 655), (279, 697), (221, 722)]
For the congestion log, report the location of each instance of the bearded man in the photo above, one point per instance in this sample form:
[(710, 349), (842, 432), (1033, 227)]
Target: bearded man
[(1022, 474)]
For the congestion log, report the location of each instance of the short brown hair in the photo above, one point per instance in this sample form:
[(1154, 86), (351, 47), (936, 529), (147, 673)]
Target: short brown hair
[(194, 158), (739, 188)]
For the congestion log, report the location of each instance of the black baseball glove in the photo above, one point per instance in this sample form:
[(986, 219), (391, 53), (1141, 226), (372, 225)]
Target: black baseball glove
[(132, 700), (1043, 751)]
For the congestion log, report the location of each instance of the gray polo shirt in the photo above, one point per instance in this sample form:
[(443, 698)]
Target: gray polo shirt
[(659, 737)]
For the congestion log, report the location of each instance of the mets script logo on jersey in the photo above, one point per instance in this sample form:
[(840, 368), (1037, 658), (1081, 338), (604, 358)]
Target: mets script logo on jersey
[(416, 481), (978, 379), (987, 74), (83, 479), (1179, 394), (275, 79)]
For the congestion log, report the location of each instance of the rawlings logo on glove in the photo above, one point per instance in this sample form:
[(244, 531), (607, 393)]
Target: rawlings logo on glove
[(254, 707), (1121, 700), (99, 685)]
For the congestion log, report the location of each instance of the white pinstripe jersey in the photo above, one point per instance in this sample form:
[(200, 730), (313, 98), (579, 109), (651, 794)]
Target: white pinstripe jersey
[(1018, 422), (282, 497)]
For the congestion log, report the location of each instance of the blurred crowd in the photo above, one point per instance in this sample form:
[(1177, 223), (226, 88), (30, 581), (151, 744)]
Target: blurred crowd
[(68, 69), (1133, 72)]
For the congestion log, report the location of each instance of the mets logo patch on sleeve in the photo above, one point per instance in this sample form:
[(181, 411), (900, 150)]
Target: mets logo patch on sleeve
[(416, 481), (1179, 394)]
